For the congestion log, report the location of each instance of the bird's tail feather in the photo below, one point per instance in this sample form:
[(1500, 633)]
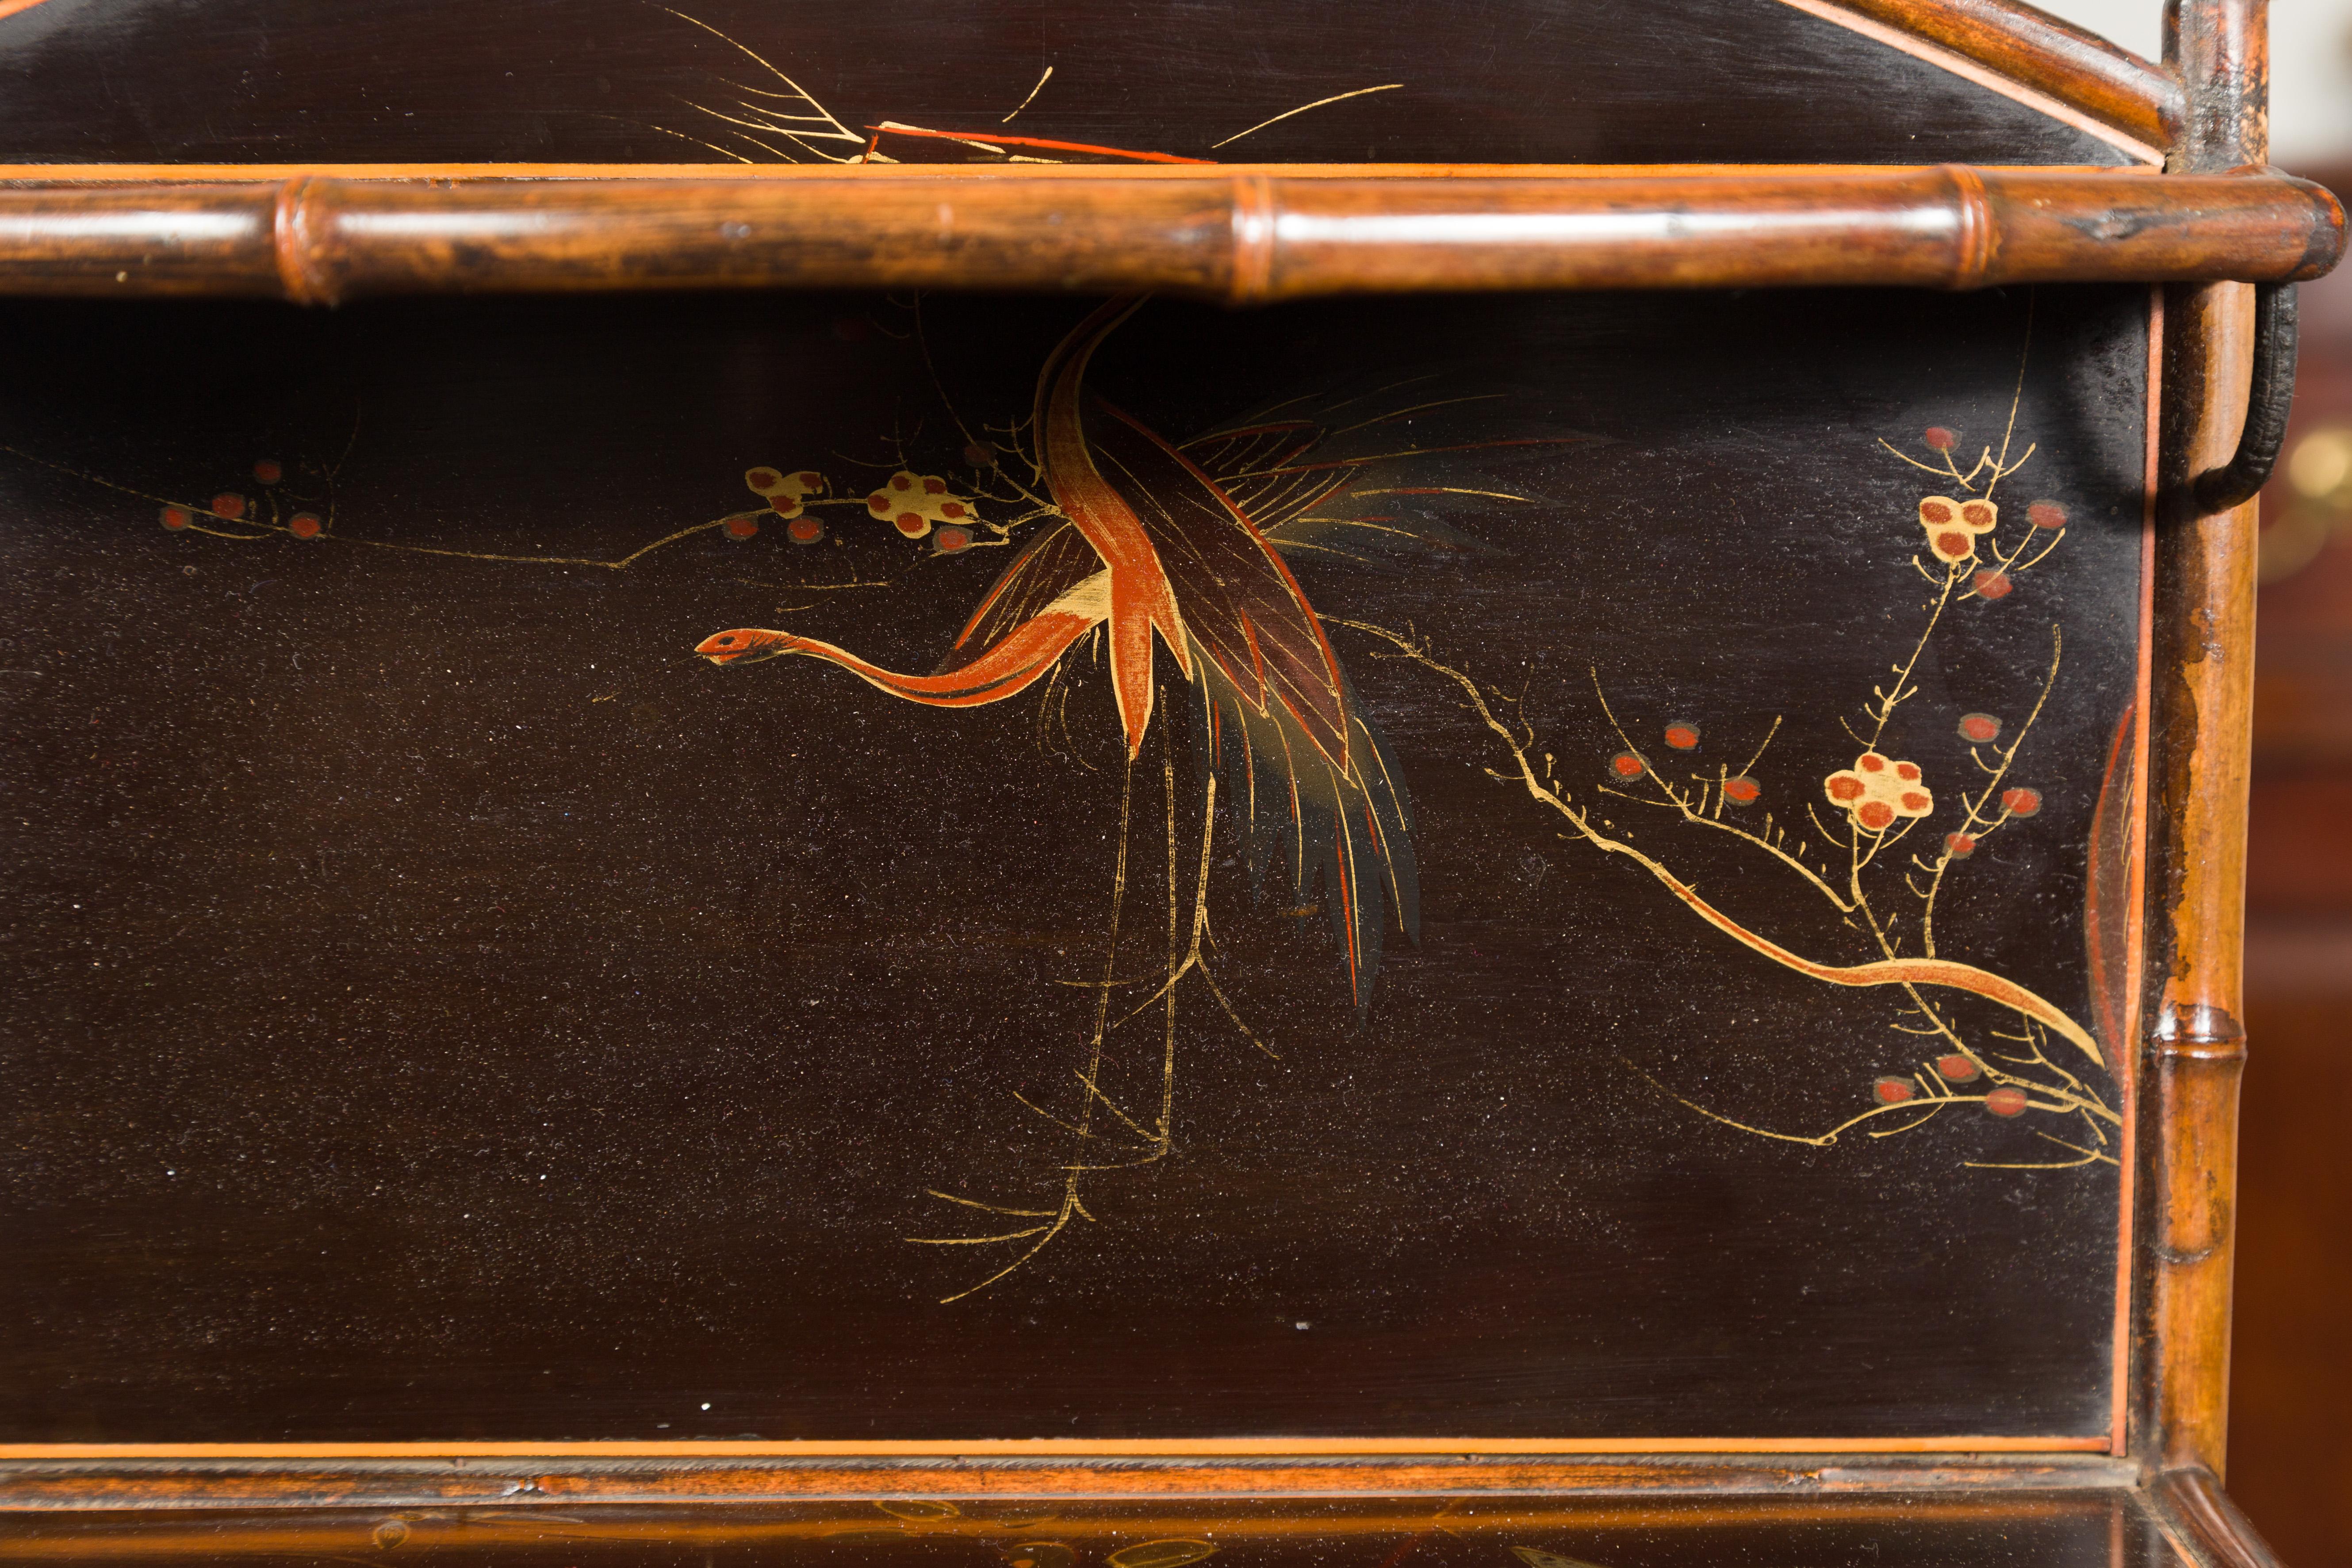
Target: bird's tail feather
[(1344, 836)]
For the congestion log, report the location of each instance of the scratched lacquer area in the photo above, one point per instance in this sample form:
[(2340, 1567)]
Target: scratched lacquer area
[(878, 868)]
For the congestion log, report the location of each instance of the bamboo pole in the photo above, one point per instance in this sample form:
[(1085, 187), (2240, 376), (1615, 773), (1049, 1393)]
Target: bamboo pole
[(1244, 238)]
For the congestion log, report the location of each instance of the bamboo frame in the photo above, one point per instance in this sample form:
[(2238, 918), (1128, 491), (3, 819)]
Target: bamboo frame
[(1245, 234), (2202, 704), (2037, 51)]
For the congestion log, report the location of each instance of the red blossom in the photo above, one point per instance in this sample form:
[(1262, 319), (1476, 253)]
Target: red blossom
[(1953, 525), (879, 503), (811, 480), (1979, 728), (2046, 514), (228, 504), (1959, 846), (1940, 439), (2020, 802), (1957, 1068), (1893, 1090), (267, 470), (1877, 789), (922, 501), (1682, 737), (1993, 585), (950, 538), (1625, 765), (804, 531), (303, 525), (2006, 1100), (176, 517), (1740, 789), (764, 481), (980, 456), (742, 526)]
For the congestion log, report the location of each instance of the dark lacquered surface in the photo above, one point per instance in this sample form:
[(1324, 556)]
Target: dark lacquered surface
[(2060, 1531), (420, 80), (443, 1006)]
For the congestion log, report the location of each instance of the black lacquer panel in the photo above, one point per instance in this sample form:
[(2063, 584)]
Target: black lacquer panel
[(442, 1005), (623, 82)]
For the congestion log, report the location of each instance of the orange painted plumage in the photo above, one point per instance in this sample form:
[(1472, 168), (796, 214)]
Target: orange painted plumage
[(1154, 546)]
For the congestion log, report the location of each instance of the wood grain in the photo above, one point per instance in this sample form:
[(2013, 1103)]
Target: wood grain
[(1247, 239)]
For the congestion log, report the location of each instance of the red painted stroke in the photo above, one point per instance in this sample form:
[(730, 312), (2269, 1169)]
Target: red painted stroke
[(995, 141)]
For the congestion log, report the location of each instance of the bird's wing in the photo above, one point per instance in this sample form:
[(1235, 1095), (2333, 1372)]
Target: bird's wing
[(1238, 601), (1366, 492), (1311, 782), (1256, 466), (1049, 566)]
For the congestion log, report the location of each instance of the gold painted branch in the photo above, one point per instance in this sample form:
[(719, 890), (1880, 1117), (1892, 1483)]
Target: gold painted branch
[(1903, 972), (1885, 971)]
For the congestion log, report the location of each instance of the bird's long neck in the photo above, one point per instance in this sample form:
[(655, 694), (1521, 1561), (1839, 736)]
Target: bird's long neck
[(1009, 667)]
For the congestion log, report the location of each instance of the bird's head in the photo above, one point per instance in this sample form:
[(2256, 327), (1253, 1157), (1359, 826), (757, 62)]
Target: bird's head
[(746, 645)]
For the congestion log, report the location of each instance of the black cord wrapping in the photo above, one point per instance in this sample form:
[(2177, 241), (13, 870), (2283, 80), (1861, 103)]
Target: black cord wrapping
[(2267, 402)]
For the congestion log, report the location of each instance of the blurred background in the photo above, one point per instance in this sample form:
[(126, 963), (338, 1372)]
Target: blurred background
[(2291, 1385)]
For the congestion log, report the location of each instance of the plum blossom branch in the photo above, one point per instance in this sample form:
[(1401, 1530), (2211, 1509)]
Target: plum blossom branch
[(1877, 802)]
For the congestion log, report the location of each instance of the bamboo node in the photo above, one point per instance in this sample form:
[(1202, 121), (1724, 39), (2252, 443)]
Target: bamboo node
[(1254, 237), (291, 244), (1972, 243)]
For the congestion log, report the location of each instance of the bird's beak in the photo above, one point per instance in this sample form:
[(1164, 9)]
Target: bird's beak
[(744, 644)]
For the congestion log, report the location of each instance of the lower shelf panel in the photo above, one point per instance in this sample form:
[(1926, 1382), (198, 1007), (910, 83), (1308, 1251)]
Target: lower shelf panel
[(2114, 1527)]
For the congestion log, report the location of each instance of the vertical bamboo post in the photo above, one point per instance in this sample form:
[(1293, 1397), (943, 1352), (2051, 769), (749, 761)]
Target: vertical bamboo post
[(2202, 700)]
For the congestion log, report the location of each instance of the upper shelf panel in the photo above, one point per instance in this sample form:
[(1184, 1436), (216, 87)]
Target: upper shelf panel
[(627, 81)]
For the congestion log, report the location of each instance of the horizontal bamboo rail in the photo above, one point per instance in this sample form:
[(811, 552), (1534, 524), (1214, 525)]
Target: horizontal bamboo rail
[(1241, 237)]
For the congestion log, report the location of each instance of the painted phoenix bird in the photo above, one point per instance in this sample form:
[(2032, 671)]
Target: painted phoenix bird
[(1180, 547), (1157, 547)]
